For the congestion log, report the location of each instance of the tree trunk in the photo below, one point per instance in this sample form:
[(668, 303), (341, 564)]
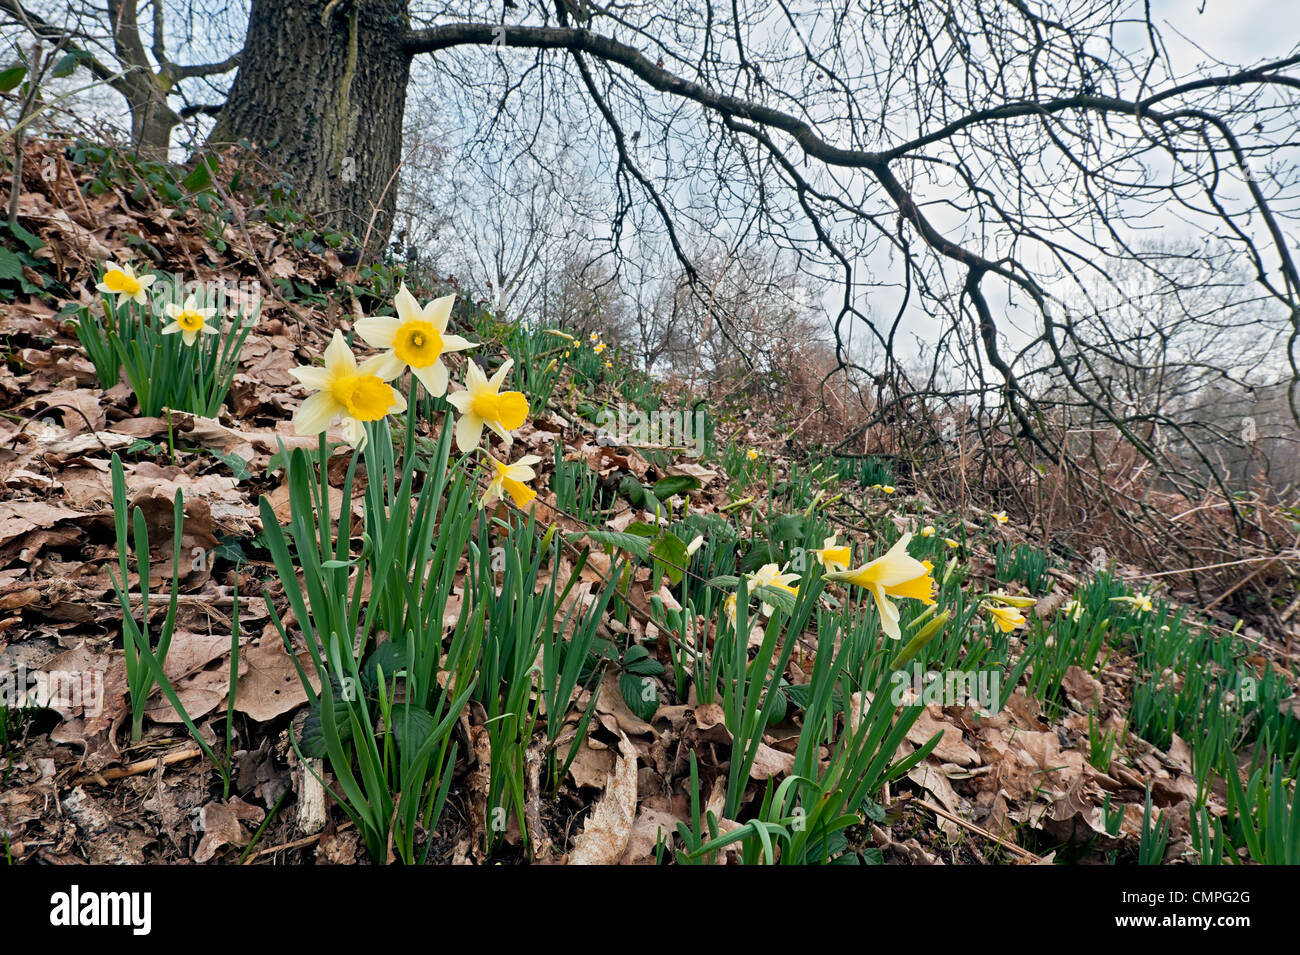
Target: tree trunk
[(323, 103)]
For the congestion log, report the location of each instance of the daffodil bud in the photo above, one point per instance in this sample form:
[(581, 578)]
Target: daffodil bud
[(918, 642)]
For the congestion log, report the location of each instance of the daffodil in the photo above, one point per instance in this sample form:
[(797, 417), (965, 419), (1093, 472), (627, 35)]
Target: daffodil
[(888, 488), (696, 543), (770, 575), (1073, 609), (832, 557), (188, 319), (894, 574), (121, 280), (951, 543), (609, 364), (483, 403), (594, 338), (344, 390), (729, 605), (511, 479), (1012, 600), (1007, 618), (1000, 516), (752, 454), (416, 339), (1141, 603), (927, 530), (600, 347)]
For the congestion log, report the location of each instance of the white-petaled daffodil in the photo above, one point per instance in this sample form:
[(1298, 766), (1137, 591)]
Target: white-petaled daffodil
[(511, 479), (343, 389), (896, 573), (1141, 603), (188, 319), (832, 557), (121, 280), (483, 403), (1007, 618), (416, 339), (770, 575)]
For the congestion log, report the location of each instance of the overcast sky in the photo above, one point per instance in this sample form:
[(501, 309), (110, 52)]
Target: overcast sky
[(1237, 31)]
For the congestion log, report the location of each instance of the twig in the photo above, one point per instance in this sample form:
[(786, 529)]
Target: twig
[(139, 768)]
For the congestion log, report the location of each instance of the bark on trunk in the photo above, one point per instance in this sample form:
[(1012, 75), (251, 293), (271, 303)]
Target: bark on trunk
[(323, 102)]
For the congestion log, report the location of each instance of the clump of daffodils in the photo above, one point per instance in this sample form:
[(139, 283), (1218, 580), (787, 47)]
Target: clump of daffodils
[(894, 574), (415, 340)]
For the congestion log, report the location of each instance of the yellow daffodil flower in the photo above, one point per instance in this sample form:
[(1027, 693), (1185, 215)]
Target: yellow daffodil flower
[(951, 543), (694, 545), (832, 557), (600, 347), (1141, 603), (752, 454), (1073, 609), (770, 575), (894, 574), (188, 319), (512, 479), (1007, 618), (356, 394), (416, 339), (927, 530), (730, 607), (483, 403), (594, 338), (888, 488), (609, 364), (1000, 516), (121, 280)]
